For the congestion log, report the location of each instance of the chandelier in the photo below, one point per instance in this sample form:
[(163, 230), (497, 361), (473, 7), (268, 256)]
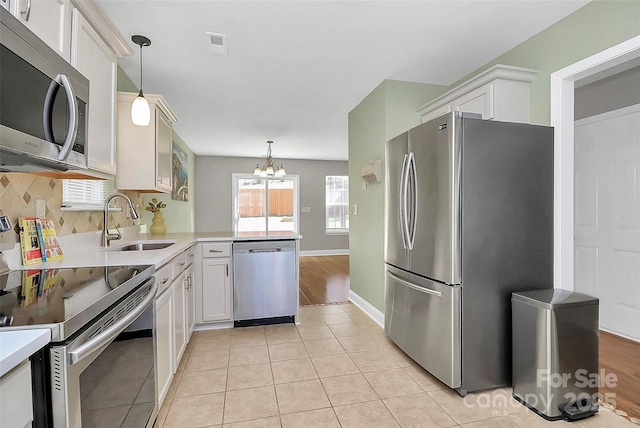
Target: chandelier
[(269, 168)]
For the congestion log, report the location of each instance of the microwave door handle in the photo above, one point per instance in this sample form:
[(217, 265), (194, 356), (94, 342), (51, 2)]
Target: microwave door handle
[(401, 200), (47, 111), (112, 332), (47, 114), (73, 117)]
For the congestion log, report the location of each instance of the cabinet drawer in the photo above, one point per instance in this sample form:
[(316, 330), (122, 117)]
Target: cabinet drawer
[(163, 278), (216, 249), (191, 255), (179, 263)]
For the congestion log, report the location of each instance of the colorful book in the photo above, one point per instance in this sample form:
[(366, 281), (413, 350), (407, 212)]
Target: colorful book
[(29, 241), (49, 240), (31, 282), (39, 230)]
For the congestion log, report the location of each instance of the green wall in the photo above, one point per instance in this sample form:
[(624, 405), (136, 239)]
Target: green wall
[(391, 109), (179, 215), (388, 111), (591, 29)]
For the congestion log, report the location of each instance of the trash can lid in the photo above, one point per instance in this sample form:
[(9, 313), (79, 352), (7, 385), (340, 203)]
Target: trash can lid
[(554, 298)]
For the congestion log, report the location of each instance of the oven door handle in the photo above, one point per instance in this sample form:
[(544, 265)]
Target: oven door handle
[(112, 332)]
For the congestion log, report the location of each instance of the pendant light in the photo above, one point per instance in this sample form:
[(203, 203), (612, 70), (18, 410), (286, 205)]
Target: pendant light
[(269, 168), (140, 111)]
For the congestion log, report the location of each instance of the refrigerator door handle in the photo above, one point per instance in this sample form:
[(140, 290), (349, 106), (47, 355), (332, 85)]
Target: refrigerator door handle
[(404, 206), (402, 197), (414, 287), (413, 215)]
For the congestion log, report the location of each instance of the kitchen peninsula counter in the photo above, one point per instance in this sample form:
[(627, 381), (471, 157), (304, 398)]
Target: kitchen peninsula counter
[(84, 250)]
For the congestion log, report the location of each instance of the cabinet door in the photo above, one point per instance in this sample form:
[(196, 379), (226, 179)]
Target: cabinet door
[(164, 136), (48, 19), (189, 304), (164, 333), (93, 58), (480, 101), (179, 322), (16, 397), (216, 290)]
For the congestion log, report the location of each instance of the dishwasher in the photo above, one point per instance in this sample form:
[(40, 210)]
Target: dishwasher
[(264, 278)]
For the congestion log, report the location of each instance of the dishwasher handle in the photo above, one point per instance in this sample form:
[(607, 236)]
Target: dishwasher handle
[(267, 250)]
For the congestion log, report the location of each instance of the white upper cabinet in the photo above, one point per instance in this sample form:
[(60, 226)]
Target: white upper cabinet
[(499, 93), (91, 56), (48, 19), (82, 34), (144, 152)]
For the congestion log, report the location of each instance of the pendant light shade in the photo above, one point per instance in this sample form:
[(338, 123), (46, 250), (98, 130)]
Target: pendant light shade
[(140, 111)]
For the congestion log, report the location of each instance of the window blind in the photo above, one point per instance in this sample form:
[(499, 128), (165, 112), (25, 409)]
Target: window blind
[(86, 195)]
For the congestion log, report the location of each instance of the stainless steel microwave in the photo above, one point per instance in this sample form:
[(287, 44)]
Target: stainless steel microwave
[(43, 104)]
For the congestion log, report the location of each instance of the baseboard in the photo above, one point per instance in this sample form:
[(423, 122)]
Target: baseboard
[(622, 335), (324, 253), (213, 326), (374, 313)]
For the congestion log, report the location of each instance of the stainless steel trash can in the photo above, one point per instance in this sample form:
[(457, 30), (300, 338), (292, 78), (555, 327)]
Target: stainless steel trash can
[(555, 353)]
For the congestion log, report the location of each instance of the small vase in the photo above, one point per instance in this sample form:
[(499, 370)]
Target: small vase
[(158, 227)]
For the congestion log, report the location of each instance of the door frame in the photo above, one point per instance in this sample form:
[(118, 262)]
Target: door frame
[(562, 119)]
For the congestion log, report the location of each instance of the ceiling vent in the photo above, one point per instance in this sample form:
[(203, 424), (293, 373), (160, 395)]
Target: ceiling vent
[(218, 43)]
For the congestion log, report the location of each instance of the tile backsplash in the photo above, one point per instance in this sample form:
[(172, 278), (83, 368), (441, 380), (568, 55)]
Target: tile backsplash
[(18, 194)]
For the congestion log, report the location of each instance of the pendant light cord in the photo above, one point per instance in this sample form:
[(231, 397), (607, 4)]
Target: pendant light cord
[(140, 67)]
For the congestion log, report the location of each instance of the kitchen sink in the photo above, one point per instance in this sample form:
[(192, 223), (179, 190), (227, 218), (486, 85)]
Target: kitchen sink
[(144, 246)]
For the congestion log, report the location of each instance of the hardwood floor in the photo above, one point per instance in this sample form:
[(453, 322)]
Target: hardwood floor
[(324, 279), (621, 357)]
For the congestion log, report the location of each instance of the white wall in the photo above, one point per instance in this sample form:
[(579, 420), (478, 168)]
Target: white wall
[(213, 212)]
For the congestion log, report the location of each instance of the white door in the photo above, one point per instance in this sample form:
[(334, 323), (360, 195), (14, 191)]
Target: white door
[(607, 216)]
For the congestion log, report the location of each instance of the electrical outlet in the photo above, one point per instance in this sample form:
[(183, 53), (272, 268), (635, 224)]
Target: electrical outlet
[(41, 208)]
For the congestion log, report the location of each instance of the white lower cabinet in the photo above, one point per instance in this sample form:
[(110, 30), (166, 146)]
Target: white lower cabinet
[(214, 293), (216, 290), (190, 304), (179, 323), (164, 333), (16, 408)]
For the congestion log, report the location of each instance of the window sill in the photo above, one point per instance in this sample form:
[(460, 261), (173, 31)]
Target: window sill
[(86, 208), (336, 232)]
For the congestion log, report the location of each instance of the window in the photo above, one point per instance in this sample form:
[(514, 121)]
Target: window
[(337, 203), (85, 195), (265, 204)]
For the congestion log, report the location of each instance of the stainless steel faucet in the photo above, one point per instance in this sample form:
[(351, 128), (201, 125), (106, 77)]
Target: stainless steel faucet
[(106, 236)]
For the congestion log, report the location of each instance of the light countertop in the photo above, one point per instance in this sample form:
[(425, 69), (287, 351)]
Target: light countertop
[(84, 250), (17, 346)]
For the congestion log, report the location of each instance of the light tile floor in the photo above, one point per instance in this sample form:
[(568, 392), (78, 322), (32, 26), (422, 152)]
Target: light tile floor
[(336, 369)]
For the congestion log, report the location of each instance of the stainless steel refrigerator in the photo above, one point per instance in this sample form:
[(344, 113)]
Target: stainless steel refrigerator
[(469, 220)]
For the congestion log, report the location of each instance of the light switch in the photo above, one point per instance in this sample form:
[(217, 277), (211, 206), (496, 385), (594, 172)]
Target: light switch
[(305, 209), (41, 208), (355, 209)]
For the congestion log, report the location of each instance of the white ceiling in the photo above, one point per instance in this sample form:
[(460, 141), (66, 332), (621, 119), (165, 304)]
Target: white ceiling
[(296, 68)]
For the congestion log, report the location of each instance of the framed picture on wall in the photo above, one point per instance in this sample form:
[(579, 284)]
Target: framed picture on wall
[(180, 170)]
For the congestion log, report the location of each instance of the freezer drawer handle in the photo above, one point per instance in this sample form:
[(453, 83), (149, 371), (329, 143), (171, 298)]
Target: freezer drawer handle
[(415, 287)]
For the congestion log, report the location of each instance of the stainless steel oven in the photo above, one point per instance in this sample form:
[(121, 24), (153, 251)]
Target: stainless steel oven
[(100, 367)]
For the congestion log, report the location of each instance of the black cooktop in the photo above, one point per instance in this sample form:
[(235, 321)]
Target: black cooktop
[(64, 299)]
